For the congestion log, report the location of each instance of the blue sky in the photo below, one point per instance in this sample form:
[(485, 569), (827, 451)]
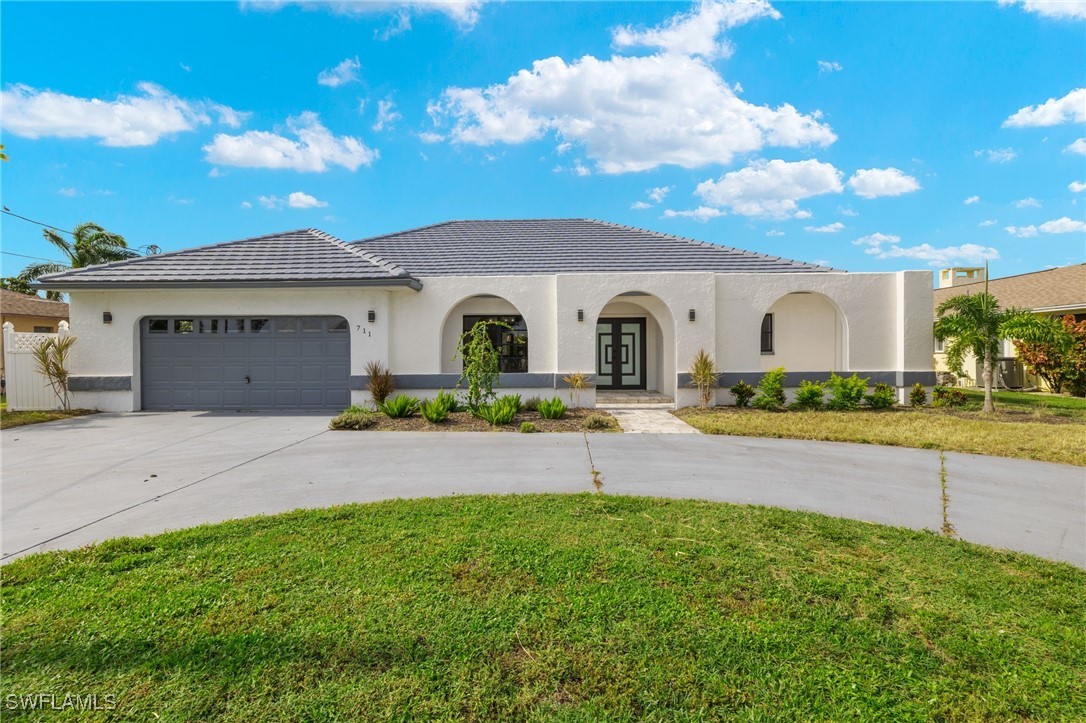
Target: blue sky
[(870, 136)]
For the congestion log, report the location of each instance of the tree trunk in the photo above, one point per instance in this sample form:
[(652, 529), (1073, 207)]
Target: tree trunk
[(989, 404)]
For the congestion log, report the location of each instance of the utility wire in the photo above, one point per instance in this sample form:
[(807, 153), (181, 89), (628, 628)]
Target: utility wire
[(9, 212), (38, 258)]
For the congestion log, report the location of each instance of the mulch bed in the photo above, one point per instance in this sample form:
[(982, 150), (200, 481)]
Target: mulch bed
[(572, 421)]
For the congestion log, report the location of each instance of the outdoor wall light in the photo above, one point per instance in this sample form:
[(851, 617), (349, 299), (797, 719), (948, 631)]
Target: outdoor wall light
[(692, 315), (580, 314), (107, 318), (371, 316)]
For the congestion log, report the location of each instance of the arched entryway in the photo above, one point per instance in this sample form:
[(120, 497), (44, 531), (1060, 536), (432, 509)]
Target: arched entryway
[(635, 344), (510, 338), (804, 331)]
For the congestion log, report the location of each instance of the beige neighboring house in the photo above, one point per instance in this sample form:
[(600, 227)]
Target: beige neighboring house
[(30, 314), (1052, 292)]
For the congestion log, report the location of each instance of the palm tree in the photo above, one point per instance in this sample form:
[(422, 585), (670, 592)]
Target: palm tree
[(91, 244), (975, 323)]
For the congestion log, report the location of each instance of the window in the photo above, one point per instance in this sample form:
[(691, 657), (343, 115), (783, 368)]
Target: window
[(43, 330), (511, 343), (182, 326), (235, 326), (257, 326), (209, 326), (158, 326), (940, 346), (338, 327), (767, 334)]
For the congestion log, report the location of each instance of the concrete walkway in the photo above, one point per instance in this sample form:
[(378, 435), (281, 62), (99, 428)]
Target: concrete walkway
[(83, 480), (648, 419)]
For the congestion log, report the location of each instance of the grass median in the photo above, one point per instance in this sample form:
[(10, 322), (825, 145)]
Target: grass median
[(1045, 428), (580, 607)]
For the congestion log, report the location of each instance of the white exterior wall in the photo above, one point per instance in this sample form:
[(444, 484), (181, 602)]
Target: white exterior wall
[(883, 323)]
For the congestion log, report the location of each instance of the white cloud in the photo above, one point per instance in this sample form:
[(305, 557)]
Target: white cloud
[(465, 13), (988, 222), (214, 173), (563, 148), (771, 188), (828, 228), (1063, 225), (888, 246), (829, 66), (1028, 202), (1076, 186), (1059, 9), (581, 169), (1078, 146), (877, 182), (640, 205), (304, 200), (129, 120), (314, 150), (272, 202), (427, 137), (701, 213), (1022, 231), (386, 115), (696, 32), (802, 214), (971, 200), (1071, 108), (997, 155), (342, 74), (659, 193), (246, 205), (847, 211), (69, 192), (774, 232), (629, 113)]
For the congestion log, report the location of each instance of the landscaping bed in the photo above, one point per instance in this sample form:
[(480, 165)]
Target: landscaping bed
[(20, 419), (570, 607), (1045, 434), (572, 421)]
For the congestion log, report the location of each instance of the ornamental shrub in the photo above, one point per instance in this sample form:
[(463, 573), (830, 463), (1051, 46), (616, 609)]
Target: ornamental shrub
[(434, 410), (947, 397), (771, 390), (846, 392), (883, 396), (552, 409), (598, 421), (809, 396), (743, 393), (354, 418), (501, 411), (528, 428), (918, 397), (379, 381), (400, 406)]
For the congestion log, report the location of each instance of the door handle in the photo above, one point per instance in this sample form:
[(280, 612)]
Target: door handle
[(247, 379)]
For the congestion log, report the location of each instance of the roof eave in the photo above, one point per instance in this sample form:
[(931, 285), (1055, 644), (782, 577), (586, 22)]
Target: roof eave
[(71, 285)]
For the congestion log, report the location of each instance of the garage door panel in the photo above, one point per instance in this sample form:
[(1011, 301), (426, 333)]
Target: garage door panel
[(229, 366)]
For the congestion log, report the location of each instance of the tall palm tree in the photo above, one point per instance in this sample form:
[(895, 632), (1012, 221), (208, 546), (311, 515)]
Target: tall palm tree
[(975, 323), (91, 244)]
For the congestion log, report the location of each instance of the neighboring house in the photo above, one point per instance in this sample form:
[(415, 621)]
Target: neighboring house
[(29, 313), (290, 320), (1052, 292)]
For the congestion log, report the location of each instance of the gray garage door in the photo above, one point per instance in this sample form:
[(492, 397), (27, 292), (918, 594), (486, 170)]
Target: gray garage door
[(284, 362)]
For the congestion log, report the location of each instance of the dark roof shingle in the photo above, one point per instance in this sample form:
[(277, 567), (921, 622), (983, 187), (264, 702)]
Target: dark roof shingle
[(1048, 289), (553, 246), (13, 303), (302, 256)]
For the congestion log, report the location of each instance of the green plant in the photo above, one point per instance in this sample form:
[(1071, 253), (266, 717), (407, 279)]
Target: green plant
[(434, 410), (918, 396), (809, 395), (578, 382), (447, 400), (1060, 361), (703, 375), (481, 362), (400, 406), (771, 390), (528, 428), (379, 381), (883, 396), (531, 404), (947, 397), (743, 393), (846, 393), (598, 421), (975, 323), (501, 411), (91, 244), (552, 409), (354, 418), (51, 361)]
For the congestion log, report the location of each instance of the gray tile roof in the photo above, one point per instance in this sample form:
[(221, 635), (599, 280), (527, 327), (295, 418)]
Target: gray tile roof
[(549, 246), (305, 256)]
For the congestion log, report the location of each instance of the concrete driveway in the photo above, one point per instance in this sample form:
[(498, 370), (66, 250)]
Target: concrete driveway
[(82, 480)]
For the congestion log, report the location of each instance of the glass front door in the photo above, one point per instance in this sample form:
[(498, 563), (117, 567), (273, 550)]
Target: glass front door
[(620, 354)]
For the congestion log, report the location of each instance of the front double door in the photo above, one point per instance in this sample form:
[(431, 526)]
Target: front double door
[(620, 354)]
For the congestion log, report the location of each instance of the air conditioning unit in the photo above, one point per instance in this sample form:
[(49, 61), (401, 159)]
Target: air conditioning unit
[(1007, 373)]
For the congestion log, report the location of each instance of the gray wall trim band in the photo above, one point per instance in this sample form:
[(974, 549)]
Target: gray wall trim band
[(100, 384), (792, 379), (448, 381), (66, 285)]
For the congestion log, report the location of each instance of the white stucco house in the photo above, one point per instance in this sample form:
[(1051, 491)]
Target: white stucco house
[(289, 320)]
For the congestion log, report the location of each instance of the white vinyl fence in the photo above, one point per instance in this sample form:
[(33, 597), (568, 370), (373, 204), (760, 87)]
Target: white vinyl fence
[(26, 388)]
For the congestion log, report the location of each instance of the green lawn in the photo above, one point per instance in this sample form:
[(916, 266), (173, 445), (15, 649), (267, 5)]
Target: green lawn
[(21, 419), (1054, 403), (580, 607)]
